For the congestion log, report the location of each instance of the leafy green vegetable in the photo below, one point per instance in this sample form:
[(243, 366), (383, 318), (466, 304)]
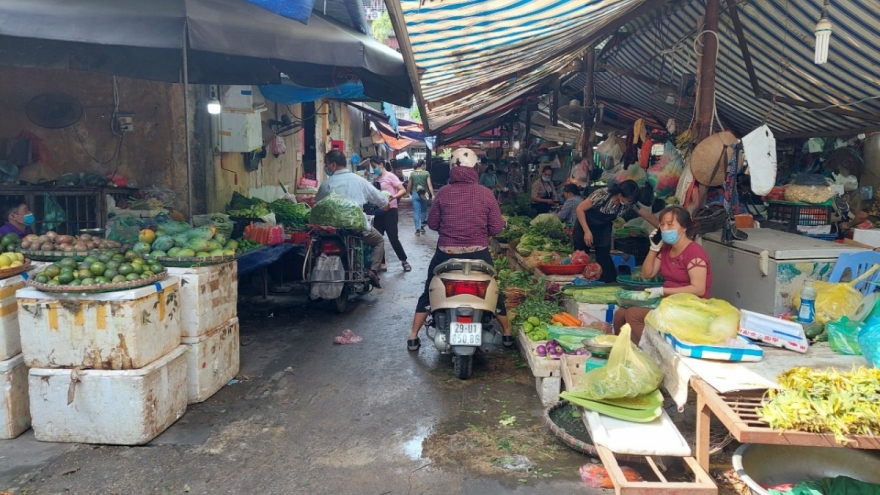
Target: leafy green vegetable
[(548, 225), (290, 214), (240, 202), (594, 295), (518, 205), (340, 212), (536, 306)]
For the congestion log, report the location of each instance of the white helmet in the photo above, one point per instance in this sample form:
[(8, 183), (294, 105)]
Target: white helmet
[(464, 157)]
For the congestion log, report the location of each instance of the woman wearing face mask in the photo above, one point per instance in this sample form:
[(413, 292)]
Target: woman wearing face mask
[(386, 223), (18, 220), (595, 219), (489, 179), (543, 192), (683, 263)]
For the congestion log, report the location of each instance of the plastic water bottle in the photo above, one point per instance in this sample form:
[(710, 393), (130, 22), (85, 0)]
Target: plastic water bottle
[(807, 310)]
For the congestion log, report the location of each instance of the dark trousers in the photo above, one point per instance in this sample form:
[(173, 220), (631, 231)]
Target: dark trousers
[(386, 223), (603, 253), (441, 257)]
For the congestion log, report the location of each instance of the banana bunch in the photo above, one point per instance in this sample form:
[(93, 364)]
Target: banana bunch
[(684, 139)]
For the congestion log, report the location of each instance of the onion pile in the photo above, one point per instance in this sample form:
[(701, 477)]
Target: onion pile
[(52, 241)]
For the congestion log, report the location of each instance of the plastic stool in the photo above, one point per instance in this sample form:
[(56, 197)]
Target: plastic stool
[(623, 260)]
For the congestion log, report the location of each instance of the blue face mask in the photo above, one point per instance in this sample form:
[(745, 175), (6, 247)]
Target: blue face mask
[(669, 236), (546, 179), (327, 171), (377, 171), (28, 219)]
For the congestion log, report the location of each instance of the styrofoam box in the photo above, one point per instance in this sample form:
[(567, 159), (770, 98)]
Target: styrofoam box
[(774, 331), (10, 339), (209, 294), (871, 237), (744, 350), (211, 360), (115, 330), (118, 407), (15, 416), (590, 314)]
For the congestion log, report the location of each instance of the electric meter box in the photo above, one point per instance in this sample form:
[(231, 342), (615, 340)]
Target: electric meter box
[(240, 131), (240, 97)]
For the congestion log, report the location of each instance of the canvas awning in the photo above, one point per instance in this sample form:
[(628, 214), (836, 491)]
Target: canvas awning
[(229, 42), (467, 55)]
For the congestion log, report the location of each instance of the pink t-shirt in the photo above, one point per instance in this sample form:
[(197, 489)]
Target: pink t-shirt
[(675, 268), (389, 182)]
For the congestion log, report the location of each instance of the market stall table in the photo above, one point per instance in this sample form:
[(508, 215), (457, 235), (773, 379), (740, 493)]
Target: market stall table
[(261, 258), (733, 390)]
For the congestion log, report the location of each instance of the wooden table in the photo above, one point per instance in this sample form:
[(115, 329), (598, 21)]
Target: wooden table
[(736, 410)]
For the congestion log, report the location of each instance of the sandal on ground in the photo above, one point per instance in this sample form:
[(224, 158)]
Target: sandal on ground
[(413, 344), (407, 267), (374, 279), (507, 340)]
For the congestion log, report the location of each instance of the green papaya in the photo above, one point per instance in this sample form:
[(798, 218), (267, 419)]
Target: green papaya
[(163, 243)]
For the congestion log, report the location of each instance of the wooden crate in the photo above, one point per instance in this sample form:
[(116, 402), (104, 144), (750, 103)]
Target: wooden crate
[(548, 379), (737, 411)]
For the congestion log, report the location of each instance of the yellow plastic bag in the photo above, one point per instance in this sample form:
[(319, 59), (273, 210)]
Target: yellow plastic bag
[(833, 300), (694, 319), (629, 372)]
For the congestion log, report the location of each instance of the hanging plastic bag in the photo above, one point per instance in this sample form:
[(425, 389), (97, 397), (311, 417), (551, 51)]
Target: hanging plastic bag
[(124, 229), (278, 146), (629, 372), (843, 336), (327, 269), (694, 319), (760, 151), (609, 177), (53, 213), (869, 342), (664, 175), (834, 300), (636, 174)]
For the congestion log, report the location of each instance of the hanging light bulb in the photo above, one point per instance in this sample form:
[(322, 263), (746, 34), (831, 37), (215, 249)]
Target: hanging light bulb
[(214, 107), (823, 36)]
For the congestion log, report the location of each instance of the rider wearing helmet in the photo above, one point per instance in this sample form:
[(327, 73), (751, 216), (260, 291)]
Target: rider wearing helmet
[(465, 214)]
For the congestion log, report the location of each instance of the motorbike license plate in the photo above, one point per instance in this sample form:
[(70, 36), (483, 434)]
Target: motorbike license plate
[(466, 334)]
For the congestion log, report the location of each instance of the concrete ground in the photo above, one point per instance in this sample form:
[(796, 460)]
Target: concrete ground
[(308, 417)]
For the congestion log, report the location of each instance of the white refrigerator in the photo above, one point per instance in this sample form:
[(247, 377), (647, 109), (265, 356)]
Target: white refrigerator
[(763, 274)]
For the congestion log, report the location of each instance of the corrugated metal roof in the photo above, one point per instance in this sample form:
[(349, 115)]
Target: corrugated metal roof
[(473, 53), (780, 39)]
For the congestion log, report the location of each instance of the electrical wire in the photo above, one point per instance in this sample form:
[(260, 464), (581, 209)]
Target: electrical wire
[(100, 162)]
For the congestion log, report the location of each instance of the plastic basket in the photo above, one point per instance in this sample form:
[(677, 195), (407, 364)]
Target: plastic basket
[(635, 246), (788, 215), (561, 269)]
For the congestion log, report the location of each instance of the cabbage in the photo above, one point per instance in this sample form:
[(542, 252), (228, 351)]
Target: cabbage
[(695, 320), (338, 211)]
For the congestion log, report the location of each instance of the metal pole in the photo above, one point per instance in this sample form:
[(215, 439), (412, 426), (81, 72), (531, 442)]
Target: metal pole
[(186, 129), (589, 114), (706, 109), (554, 103)]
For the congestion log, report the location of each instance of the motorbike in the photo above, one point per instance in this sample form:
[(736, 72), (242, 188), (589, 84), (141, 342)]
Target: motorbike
[(336, 266), (463, 297)]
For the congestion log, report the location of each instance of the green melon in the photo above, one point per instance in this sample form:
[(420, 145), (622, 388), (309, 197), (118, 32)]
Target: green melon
[(163, 243)]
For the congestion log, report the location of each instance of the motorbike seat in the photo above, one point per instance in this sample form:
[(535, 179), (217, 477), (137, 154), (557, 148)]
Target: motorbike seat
[(466, 266)]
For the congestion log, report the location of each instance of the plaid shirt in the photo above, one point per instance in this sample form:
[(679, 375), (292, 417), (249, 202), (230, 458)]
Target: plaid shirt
[(465, 213)]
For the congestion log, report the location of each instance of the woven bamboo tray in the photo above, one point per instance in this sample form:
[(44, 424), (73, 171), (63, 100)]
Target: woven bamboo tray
[(11, 272), (193, 261), (59, 255), (97, 289)]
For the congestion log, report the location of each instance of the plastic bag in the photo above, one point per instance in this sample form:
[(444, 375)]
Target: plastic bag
[(220, 221), (843, 336), (834, 300), (53, 213), (338, 211), (596, 476), (609, 177), (124, 229), (629, 373), (347, 337), (869, 342), (849, 182), (326, 269), (634, 173), (694, 319), (808, 194), (664, 174)]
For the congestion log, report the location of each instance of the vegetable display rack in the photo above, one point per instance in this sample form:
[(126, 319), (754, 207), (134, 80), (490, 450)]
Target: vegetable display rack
[(737, 411)]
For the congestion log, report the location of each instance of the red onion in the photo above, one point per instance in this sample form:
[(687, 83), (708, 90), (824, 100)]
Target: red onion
[(541, 350)]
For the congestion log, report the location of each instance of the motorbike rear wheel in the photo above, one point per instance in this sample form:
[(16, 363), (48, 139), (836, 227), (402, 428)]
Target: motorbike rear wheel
[(463, 365), (341, 303)]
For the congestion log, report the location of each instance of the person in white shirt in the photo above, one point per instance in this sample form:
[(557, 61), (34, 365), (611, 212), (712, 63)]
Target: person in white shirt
[(342, 181)]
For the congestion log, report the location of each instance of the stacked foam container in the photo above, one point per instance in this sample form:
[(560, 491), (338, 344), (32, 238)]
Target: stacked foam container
[(105, 368), (15, 417), (209, 327)]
